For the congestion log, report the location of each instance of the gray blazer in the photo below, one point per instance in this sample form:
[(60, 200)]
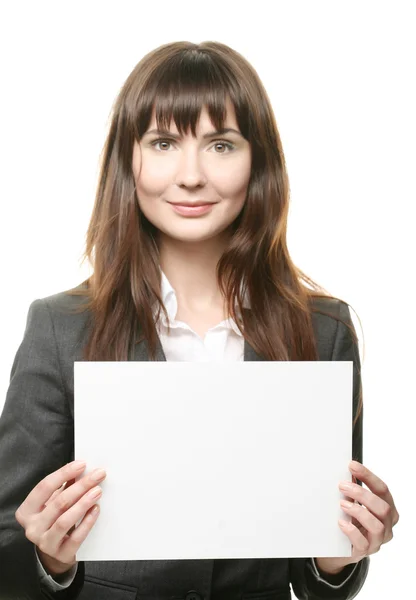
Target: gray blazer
[(37, 438)]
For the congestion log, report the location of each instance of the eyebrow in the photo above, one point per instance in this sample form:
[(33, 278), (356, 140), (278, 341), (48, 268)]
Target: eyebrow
[(206, 135)]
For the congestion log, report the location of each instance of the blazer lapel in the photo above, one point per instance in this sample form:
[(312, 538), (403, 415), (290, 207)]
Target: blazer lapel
[(250, 354), (141, 353)]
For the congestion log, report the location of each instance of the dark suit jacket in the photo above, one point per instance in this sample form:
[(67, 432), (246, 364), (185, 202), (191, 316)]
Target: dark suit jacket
[(37, 438)]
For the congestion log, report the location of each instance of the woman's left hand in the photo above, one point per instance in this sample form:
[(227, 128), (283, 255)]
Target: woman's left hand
[(373, 513)]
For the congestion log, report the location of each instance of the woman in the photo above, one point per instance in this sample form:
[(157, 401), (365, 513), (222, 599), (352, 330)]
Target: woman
[(212, 280)]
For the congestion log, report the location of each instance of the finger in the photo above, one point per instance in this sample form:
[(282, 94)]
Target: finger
[(65, 501), (72, 542), (358, 540), (61, 489), (39, 496), (346, 497), (371, 527), (66, 485), (55, 494), (374, 483), (349, 498), (56, 535), (372, 502)]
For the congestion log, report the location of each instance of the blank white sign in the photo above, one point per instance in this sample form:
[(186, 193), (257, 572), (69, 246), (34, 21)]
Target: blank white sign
[(215, 460)]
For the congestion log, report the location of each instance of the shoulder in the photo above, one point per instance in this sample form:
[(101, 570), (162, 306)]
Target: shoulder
[(61, 309), (327, 307), (329, 316), (60, 317), (65, 301)]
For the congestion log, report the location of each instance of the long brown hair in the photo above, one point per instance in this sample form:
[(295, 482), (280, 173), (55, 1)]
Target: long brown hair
[(178, 79)]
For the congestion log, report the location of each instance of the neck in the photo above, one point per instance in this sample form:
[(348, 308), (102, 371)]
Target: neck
[(191, 269)]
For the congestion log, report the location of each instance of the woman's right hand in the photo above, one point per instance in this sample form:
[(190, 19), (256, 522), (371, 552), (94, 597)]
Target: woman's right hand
[(50, 511)]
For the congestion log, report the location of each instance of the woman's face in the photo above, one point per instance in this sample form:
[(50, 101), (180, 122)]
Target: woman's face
[(214, 169)]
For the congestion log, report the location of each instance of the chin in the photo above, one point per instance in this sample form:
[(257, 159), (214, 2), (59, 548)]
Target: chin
[(191, 234)]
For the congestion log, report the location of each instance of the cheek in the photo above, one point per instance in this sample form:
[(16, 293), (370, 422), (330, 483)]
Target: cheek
[(153, 180), (233, 180), (149, 176), (233, 188)]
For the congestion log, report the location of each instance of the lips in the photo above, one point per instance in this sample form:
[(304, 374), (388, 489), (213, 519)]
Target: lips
[(191, 204), (192, 210)]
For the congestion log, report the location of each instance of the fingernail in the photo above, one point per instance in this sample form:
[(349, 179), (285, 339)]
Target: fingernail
[(79, 464), (354, 465), (95, 492), (98, 474)]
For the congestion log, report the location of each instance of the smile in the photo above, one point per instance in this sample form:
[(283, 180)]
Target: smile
[(192, 211)]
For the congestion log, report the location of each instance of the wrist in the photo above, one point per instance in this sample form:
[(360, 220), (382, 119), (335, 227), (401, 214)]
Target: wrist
[(53, 567), (331, 566)]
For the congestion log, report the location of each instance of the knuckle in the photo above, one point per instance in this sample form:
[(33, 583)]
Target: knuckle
[(359, 494), (389, 537), (61, 526), (42, 544), (381, 529), (18, 516), (30, 533), (77, 537), (61, 502), (384, 488), (386, 511)]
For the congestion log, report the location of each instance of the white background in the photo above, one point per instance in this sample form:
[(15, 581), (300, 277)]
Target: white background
[(340, 76)]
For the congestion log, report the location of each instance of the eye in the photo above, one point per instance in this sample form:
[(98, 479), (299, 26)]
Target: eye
[(228, 145)]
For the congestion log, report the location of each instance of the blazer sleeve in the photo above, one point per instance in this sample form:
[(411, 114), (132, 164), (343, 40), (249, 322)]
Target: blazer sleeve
[(36, 438), (305, 579), (49, 582)]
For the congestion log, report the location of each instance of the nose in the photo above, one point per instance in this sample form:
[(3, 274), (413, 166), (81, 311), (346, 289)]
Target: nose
[(190, 171)]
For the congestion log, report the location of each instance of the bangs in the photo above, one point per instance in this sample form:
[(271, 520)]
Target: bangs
[(181, 87)]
